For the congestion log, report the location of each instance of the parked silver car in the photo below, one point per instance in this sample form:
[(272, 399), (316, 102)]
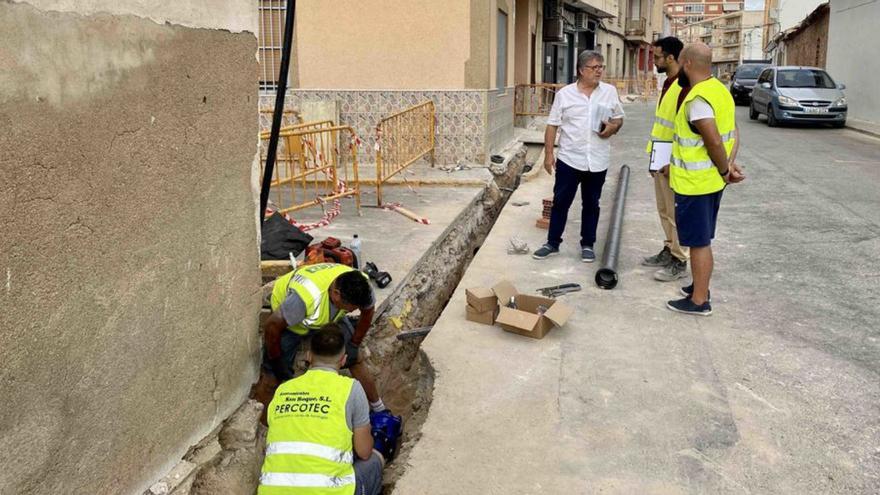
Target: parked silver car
[(798, 94)]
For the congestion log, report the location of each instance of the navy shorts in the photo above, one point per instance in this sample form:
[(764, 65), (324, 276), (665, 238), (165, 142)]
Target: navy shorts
[(695, 218)]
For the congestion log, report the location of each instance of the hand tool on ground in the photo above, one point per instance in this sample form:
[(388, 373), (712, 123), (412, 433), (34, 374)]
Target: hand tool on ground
[(382, 279), (414, 333), (558, 290)]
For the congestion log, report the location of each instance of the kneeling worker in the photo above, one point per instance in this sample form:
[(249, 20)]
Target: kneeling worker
[(319, 438), (310, 297)]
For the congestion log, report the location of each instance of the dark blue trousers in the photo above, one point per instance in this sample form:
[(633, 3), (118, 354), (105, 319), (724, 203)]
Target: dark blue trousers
[(564, 190)]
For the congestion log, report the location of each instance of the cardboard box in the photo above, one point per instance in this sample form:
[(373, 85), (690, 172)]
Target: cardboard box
[(481, 299), (484, 317), (525, 320)]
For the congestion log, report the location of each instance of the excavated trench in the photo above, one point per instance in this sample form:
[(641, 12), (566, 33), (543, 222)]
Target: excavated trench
[(403, 371)]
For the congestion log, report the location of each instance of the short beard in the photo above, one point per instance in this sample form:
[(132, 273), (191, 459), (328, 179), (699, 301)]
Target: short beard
[(683, 80), (661, 70)]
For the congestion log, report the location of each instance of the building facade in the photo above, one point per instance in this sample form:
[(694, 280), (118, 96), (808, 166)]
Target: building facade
[(804, 44), (374, 58), (734, 38), (782, 15), (569, 28)]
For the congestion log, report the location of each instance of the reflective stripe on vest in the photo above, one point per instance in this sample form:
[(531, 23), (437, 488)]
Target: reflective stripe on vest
[(665, 123), (693, 173), (678, 162), (297, 480), (664, 116), (316, 295), (699, 141), (312, 449), (309, 443), (312, 284)]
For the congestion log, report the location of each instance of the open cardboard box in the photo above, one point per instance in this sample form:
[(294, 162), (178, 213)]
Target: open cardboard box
[(525, 320)]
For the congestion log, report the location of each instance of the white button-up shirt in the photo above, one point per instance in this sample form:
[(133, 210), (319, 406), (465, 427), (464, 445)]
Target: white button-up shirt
[(580, 147)]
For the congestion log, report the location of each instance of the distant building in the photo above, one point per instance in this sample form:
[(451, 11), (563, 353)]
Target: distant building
[(734, 38), (685, 12)]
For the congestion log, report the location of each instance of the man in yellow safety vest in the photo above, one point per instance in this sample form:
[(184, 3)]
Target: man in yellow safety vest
[(671, 261), (307, 299), (319, 440), (704, 148)]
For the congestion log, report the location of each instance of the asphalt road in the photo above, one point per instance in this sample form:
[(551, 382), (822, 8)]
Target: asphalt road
[(794, 346)]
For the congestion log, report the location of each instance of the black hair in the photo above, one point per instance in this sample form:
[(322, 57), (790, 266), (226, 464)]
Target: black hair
[(328, 341), (670, 45), (355, 289)]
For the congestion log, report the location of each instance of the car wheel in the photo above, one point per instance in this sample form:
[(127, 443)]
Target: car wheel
[(753, 114), (839, 125), (771, 117)]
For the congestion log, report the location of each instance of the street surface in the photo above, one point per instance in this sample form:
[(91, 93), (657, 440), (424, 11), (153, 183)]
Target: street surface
[(777, 393)]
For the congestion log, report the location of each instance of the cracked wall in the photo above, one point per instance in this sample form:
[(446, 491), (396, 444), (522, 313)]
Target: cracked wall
[(129, 274)]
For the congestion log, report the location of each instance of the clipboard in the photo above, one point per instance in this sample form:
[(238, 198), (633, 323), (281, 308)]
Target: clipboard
[(661, 155)]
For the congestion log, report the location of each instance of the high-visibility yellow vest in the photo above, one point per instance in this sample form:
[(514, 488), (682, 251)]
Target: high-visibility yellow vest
[(692, 172), (309, 449), (312, 284), (664, 116)]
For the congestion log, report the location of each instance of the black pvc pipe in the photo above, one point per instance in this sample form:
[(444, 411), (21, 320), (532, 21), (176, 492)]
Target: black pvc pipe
[(606, 277), (281, 90)]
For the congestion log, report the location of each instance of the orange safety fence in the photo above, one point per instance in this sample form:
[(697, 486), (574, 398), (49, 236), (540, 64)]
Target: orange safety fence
[(534, 99), (401, 140), (316, 164)]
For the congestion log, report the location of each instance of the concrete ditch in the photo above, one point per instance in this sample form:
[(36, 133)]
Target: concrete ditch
[(228, 461)]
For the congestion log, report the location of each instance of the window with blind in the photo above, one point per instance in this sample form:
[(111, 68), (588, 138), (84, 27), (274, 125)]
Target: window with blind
[(271, 29)]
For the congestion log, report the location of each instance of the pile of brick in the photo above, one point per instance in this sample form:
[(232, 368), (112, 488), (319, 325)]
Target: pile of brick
[(544, 221)]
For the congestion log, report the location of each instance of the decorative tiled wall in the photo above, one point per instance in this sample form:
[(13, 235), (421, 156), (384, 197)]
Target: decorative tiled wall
[(470, 123)]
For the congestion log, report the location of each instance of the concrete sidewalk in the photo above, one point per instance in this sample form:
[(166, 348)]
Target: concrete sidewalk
[(631, 398)]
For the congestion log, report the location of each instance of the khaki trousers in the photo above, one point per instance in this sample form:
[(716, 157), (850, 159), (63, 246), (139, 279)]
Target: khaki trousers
[(666, 208)]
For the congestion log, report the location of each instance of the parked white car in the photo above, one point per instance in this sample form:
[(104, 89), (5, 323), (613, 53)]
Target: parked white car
[(798, 94)]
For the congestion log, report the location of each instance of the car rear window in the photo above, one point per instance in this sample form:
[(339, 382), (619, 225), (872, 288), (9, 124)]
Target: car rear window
[(749, 71), (803, 78)]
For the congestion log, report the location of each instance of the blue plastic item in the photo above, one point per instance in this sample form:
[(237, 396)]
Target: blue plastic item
[(387, 430)]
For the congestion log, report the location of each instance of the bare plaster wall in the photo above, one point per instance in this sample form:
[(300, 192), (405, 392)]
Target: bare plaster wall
[(129, 279), (233, 15), (477, 66), (852, 28), (381, 44)]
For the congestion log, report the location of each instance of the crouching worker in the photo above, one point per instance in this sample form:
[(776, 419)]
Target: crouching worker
[(319, 439), (304, 301)]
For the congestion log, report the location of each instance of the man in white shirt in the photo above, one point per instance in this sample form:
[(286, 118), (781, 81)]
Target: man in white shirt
[(587, 113)]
